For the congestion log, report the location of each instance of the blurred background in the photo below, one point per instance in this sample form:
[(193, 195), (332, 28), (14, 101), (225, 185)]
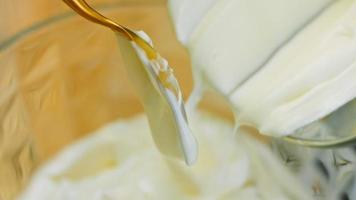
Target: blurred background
[(15, 15)]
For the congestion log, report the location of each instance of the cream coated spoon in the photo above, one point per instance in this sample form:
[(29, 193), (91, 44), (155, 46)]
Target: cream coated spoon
[(156, 85)]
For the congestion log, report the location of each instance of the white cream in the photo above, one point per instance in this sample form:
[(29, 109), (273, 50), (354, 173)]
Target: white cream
[(236, 37), (187, 14), (310, 77), (121, 161), (281, 64)]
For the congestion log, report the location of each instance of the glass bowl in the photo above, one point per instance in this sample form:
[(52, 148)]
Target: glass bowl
[(63, 78)]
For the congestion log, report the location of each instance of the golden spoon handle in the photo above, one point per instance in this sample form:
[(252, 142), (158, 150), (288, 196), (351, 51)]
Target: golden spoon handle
[(85, 10)]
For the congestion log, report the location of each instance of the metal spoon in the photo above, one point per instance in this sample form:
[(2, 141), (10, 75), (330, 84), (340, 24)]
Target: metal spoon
[(85, 10), (155, 84)]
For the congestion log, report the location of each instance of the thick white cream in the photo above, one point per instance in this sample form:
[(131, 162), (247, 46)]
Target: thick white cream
[(236, 37), (281, 64), (311, 76), (121, 161)]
